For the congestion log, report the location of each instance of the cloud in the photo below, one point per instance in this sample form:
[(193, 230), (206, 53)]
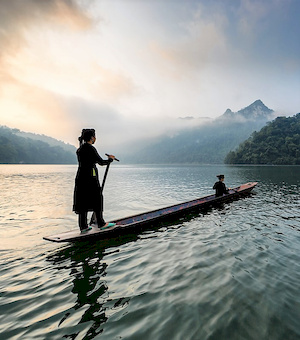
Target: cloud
[(24, 106), (261, 22), (18, 22), (23, 103), (45, 47), (68, 75), (17, 17), (34, 86), (130, 68), (201, 43)]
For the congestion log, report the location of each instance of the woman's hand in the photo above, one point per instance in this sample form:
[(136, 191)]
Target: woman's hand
[(111, 157)]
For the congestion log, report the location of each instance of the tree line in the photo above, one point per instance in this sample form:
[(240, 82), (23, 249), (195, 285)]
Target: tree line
[(15, 149), (278, 143)]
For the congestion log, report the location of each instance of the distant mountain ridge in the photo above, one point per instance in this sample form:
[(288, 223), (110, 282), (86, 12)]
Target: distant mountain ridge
[(49, 140), (26, 148), (256, 110), (207, 143)]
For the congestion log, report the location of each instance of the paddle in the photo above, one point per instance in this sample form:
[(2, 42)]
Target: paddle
[(106, 170), (93, 218)]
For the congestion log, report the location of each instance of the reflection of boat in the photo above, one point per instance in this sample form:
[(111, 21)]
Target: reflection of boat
[(151, 217)]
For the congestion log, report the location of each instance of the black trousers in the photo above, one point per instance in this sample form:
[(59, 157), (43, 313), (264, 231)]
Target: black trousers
[(82, 219)]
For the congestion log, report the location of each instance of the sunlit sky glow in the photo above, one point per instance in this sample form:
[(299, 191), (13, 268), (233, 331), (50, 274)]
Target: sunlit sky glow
[(129, 68)]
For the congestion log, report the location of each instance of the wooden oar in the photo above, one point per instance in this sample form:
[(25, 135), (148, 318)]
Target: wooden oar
[(93, 217), (107, 168)]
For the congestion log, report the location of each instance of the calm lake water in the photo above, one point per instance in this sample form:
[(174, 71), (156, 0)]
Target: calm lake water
[(230, 273)]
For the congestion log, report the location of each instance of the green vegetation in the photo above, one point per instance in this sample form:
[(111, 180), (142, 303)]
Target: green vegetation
[(277, 143), (15, 149)]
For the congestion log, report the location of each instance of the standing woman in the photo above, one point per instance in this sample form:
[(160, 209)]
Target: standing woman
[(88, 193)]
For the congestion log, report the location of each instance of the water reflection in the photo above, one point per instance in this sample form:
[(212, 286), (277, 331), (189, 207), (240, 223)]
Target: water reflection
[(267, 174), (87, 269), (87, 266)]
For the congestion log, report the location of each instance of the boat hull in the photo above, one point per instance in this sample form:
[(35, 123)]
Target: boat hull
[(143, 220)]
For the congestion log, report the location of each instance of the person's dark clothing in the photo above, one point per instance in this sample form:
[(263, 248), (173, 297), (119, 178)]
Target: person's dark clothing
[(220, 188), (88, 192)]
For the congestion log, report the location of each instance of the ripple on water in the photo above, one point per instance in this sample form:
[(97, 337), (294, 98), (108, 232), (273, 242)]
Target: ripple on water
[(229, 273)]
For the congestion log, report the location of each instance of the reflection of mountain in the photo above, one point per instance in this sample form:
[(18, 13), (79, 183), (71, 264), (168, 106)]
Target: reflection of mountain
[(21, 147), (207, 143)]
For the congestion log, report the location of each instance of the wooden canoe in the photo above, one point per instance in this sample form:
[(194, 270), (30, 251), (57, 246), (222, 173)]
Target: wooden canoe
[(152, 217)]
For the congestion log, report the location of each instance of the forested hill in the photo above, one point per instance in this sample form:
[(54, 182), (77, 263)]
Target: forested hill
[(276, 143), (15, 149), (49, 140)]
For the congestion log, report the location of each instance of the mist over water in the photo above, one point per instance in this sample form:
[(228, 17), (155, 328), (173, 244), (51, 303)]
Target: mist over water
[(231, 272)]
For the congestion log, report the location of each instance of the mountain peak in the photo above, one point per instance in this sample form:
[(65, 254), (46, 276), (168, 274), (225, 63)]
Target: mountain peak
[(228, 112), (256, 110), (258, 102)]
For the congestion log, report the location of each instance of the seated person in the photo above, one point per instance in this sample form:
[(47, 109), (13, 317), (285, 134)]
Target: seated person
[(220, 187)]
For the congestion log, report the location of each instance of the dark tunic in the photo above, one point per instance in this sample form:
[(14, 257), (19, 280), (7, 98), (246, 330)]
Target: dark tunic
[(87, 192), (220, 188)]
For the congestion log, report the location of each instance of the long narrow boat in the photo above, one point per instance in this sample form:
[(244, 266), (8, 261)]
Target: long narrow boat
[(152, 217)]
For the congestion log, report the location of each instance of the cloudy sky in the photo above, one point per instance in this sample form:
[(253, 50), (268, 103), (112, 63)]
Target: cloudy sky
[(130, 67)]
